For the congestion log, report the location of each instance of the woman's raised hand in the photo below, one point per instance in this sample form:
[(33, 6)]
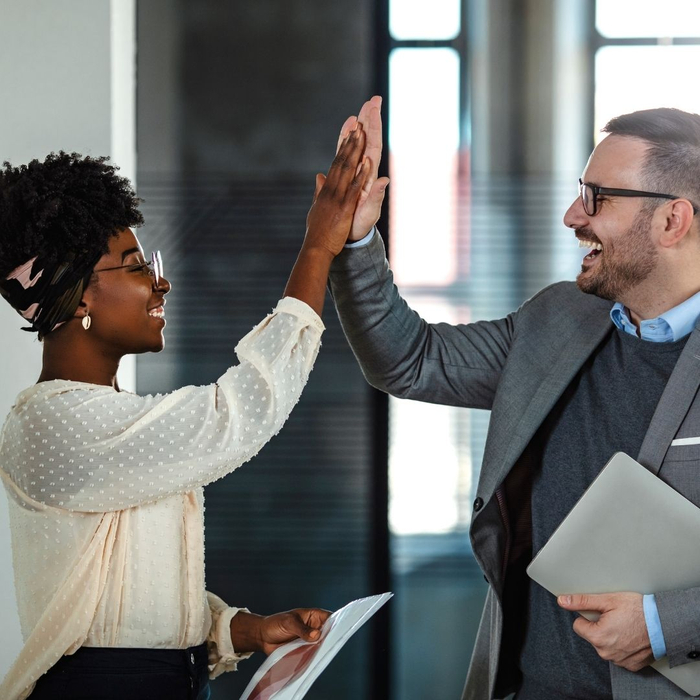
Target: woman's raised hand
[(337, 193), (329, 221)]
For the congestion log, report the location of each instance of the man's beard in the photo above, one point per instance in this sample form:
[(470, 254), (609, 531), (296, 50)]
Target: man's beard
[(624, 264)]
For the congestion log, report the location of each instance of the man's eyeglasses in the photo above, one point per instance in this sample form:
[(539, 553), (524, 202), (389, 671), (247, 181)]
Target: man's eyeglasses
[(154, 267), (589, 196)]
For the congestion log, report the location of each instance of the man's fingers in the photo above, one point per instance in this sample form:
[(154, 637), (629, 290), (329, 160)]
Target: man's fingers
[(584, 628), (364, 116), (364, 110), (372, 195), (378, 190), (345, 130), (371, 119), (618, 632), (357, 185), (594, 602)]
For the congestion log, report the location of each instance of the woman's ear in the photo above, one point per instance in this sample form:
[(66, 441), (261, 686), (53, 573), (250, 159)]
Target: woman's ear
[(82, 310)]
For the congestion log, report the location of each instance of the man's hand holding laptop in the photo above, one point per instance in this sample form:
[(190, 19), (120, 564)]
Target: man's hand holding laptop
[(620, 633)]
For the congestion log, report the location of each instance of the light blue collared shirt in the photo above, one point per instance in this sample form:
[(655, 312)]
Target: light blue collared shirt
[(674, 324), (363, 241)]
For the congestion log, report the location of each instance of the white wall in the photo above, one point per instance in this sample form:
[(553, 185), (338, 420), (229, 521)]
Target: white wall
[(67, 82)]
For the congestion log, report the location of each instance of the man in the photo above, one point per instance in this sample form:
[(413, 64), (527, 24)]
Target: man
[(580, 371)]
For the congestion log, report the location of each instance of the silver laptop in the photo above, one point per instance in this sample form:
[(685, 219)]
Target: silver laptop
[(629, 531)]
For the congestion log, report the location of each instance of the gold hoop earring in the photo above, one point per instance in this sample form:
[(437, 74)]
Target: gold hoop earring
[(86, 321)]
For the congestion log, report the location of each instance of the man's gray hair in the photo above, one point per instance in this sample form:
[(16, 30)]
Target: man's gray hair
[(672, 164)]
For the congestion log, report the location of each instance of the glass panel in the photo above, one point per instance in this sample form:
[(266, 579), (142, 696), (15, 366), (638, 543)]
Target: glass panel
[(424, 143), (441, 502), (432, 467), (648, 18), (629, 78), (416, 19)]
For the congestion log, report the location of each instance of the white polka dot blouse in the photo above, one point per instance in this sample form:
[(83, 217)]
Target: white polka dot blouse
[(106, 500)]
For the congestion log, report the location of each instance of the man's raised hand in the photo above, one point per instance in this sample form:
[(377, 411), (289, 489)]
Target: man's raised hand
[(337, 195), (369, 205)]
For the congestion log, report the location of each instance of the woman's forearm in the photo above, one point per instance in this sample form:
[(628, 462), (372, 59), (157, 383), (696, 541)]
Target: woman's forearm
[(309, 277)]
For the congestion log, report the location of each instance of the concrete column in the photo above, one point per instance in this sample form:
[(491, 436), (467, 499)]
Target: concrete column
[(530, 86), (67, 82)]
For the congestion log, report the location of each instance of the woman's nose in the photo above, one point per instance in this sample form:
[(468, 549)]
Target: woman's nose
[(163, 285)]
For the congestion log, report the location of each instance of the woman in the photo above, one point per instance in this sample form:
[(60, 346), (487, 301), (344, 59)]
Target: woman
[(105, 487)]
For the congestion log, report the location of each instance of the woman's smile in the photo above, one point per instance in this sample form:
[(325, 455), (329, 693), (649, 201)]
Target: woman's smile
[(158, 312)]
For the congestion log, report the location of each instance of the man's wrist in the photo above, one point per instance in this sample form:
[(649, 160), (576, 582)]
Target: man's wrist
[(653, 623), (362, 241)]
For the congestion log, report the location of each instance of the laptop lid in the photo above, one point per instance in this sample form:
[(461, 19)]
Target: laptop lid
[(630, 531)]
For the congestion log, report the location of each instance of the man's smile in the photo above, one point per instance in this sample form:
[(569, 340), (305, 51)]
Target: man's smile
[(596, 249)]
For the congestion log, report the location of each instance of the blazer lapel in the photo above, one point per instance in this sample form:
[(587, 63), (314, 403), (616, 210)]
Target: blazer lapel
[(673, 405), (587, 334)]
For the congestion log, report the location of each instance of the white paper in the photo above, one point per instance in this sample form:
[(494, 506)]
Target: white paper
[(289, 672)]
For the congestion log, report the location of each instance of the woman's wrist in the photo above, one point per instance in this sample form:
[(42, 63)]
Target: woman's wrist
[(317, 253), (309, 276), (245, 632)]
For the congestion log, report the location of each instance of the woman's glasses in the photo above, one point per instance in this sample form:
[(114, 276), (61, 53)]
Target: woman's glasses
[(154, 267)]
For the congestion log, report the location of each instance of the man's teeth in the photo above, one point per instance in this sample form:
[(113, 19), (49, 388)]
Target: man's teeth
[(589, 244), (158, 312)]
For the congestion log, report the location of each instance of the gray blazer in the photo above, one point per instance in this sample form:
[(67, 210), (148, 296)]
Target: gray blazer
[(518, 367)]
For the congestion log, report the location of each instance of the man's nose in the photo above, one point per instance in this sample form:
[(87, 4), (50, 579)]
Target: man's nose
[(575, 216)]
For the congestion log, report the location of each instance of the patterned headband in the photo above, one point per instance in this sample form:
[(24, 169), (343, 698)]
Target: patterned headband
[(47, 293)]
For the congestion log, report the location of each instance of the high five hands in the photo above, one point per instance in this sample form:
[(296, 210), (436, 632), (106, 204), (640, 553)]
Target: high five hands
[(352, 190), (338, 194), (620, 633), (369, 204), (329, 220), (347, 204)]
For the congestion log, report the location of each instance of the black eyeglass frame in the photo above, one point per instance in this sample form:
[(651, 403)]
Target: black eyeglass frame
[(616, 192), (154, 265)]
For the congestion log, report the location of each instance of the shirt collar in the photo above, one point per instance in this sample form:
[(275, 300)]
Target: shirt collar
[(673, 324)]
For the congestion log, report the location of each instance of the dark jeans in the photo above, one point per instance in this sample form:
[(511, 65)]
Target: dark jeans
[(136, 674)]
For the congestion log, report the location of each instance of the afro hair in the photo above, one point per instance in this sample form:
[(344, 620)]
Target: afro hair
[(66, 204)]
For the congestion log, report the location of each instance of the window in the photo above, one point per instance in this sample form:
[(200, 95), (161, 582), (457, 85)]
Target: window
[(648, 55), (431, 474)]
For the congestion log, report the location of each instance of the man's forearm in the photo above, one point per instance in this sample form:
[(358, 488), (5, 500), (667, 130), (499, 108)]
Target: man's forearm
[(381, 329), (402, 354)]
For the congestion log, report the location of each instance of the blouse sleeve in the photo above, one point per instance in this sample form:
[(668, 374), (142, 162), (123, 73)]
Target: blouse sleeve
[(222, 656), (88, 448)]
